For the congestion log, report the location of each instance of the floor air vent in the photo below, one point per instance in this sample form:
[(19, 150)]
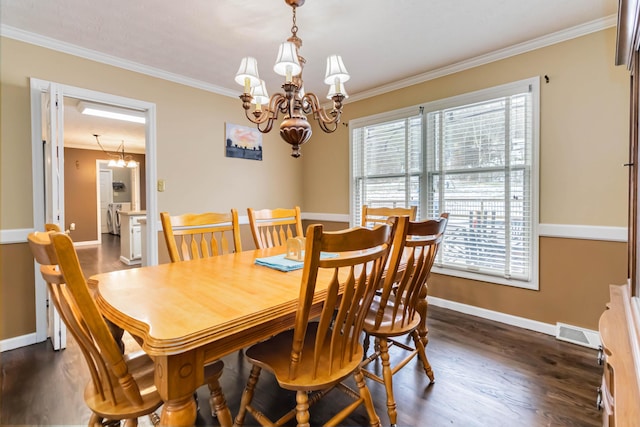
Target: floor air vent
[(576, 335)]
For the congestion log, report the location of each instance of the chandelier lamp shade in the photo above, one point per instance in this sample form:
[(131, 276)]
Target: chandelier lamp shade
[(294, 104)]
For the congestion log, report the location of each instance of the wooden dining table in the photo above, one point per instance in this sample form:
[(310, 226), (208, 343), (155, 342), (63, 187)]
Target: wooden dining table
[(189, 313)]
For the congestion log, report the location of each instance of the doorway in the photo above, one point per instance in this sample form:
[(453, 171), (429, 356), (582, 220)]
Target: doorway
[(51, 180), (105, 197)]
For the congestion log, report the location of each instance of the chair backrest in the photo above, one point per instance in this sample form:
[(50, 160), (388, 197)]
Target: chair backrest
[(51, 227), (415, 245), (72, 298), (272, 227), (374, 216), (355, 274), (194, 236)]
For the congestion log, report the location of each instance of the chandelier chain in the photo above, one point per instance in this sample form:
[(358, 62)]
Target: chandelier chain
[(294, 27)]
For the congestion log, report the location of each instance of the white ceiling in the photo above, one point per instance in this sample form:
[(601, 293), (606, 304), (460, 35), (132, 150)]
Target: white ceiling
[(201, 42)]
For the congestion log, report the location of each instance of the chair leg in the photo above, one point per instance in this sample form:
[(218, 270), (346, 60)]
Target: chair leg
[(387, 374), (247, 395), (131, 422), (365, 345), (217, 401), (302, 408), (154, 418), (95, 420), (422, 355), (374, 420), (421, 308)]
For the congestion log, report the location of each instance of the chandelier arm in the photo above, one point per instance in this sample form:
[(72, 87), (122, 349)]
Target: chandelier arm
[(323, 118), (326, 126), (268, 114), (277, 103)]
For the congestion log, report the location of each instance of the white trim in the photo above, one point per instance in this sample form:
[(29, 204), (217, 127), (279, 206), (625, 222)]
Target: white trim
[(86, 243), (325, 217), (520, 322), (633, 320), (508, 319), (71, 49), (565, 231), (17, 342), (586, 232), (540, 42), (38, 86), (18, 235)]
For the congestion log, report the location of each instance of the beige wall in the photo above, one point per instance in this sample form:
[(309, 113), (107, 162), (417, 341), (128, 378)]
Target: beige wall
[(584, 111)]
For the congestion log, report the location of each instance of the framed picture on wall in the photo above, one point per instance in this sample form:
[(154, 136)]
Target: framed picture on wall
[(243, 142)]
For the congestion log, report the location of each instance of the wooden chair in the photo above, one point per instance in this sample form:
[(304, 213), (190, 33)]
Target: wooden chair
[(397, 311), (121, 387), (317, 356), (272, 227), (373, 216), (194, 236)]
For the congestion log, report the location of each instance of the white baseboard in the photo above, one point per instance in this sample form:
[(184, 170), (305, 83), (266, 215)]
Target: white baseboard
[(17, 342), (521, 322), (86, 243)]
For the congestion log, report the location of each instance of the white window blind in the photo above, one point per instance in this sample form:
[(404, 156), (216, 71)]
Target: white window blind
[(387, 164), (473, 156)]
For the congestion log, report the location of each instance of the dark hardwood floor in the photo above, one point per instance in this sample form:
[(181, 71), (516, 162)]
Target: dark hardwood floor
[(487, 374)]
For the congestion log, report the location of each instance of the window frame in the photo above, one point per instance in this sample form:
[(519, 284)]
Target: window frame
[(533, 86)]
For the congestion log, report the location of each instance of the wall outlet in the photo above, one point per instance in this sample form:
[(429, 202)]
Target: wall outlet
[(72, 226), (161, 185)]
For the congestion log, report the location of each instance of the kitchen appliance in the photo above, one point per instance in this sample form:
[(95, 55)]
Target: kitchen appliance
[(113, 215)]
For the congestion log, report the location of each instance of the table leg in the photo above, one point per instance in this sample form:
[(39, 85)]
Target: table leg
[(177, 377), (179, 412)]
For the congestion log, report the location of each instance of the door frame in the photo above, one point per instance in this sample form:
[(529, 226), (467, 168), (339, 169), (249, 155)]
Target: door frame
[(99, 171), (135, 192), (37, 87)]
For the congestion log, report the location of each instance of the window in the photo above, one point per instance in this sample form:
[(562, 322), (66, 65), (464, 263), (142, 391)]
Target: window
[(474, 156)]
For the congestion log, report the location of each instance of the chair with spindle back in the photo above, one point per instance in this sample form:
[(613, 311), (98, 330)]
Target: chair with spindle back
[(121, 386), (315, 357), (272, 227), (380, 215), (397, 310), (194, 236)]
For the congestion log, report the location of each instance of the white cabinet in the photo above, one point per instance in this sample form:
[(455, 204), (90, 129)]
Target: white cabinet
[(131, 237)]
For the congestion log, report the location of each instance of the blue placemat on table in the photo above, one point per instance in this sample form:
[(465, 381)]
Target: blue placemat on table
[(279, 262)]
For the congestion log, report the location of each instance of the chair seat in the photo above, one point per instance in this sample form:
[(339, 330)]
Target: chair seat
[(141, 367), (391, 325), (270, 355)]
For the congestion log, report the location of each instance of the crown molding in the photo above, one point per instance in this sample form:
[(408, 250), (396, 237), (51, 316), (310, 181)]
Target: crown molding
[(71, 49), (540, 42)]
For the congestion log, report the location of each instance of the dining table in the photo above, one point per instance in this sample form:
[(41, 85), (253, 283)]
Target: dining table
[(190, 313)]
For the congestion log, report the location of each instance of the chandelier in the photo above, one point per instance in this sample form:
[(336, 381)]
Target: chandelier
[(294, 103), (118, 159)]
